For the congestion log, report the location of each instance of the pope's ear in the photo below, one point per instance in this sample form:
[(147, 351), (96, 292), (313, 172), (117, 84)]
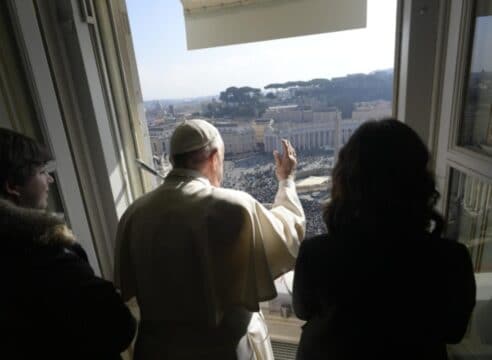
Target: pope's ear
[(214, 155)]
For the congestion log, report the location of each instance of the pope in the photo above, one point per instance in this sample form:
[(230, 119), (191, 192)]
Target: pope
[(199, 258)]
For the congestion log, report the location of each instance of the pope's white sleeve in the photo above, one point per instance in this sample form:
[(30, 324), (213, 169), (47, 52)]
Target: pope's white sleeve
[(281, 229), (288, 209)]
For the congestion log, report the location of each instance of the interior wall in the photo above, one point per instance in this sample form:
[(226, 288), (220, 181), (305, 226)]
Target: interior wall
[(16, 104), (422, 37)]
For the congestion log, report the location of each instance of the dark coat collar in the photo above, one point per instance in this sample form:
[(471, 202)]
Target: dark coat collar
[(22, 226)]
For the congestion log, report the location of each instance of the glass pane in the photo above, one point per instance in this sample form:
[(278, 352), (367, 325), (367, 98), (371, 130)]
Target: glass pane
[(470, 217), (470, 222), (476, 127), (55, 204)]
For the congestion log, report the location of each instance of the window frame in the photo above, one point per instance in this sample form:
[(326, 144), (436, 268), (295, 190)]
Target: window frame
[(450, 155), (49, 117), (458, 57)]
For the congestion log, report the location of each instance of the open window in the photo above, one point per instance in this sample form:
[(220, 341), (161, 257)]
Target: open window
[(314, 89)]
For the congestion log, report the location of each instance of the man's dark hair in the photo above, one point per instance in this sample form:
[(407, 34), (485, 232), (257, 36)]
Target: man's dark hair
[(19, 157)]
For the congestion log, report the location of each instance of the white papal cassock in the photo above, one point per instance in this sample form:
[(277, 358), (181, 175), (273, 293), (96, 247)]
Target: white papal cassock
[(199, 259)]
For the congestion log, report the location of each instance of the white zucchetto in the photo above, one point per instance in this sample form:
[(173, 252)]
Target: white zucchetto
[(192, 135)]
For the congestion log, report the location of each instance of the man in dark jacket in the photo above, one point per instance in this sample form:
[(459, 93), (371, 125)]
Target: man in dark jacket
[(52, 305)]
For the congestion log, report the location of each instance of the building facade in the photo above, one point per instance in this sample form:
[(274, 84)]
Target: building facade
[(237, 138), (374, 110), (306, 130)]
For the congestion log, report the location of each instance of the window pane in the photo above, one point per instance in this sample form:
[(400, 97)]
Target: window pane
[(470, 217), (470, 222), (476, 127)]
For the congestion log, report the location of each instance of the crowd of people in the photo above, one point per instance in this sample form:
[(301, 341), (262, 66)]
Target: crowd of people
[(255, 175)]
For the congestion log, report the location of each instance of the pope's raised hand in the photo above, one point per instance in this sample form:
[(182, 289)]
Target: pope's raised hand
[(286, 163)]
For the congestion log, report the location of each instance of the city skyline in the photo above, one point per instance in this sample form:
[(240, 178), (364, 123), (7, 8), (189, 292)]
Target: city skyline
[(168, 71), (262, 88)]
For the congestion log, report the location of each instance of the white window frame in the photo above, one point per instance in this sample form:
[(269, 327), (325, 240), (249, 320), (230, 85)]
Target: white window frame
[(449, 154), (95, 125), (36, 64)]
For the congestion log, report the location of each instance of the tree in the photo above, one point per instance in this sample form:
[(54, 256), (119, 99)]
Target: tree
[(242, 95), (243, 101)]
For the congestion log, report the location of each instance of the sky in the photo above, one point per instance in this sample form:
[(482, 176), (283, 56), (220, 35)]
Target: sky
[(482, 49), (167, 70)]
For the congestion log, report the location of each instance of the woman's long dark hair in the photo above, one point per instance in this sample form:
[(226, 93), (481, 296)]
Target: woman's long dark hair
[(382, 183)]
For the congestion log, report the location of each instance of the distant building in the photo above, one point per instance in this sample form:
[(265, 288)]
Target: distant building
[(375, 110), (489, 130), (237, 138), (295, 113), (317, 128), (259, 126), (347, 128), (284, 113), (155, 131), (305, 129), (160, 137)]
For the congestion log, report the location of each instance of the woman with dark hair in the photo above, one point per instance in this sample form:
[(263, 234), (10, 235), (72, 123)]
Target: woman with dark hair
[(52, 305), (382, 282)]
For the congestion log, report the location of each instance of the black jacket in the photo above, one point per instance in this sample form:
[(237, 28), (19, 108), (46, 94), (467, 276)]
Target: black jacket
[(52, 306), (367, 297)]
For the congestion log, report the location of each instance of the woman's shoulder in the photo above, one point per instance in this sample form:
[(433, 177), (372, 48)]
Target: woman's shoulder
[(316, 240), (449, 247), (444, 255), (68, 261), (315, 243)]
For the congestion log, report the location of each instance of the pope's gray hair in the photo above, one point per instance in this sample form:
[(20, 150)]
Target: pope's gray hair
[(196, 158)]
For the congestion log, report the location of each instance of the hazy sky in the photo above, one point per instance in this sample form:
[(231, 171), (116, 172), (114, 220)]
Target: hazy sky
[(168, 70), (482, 50)]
